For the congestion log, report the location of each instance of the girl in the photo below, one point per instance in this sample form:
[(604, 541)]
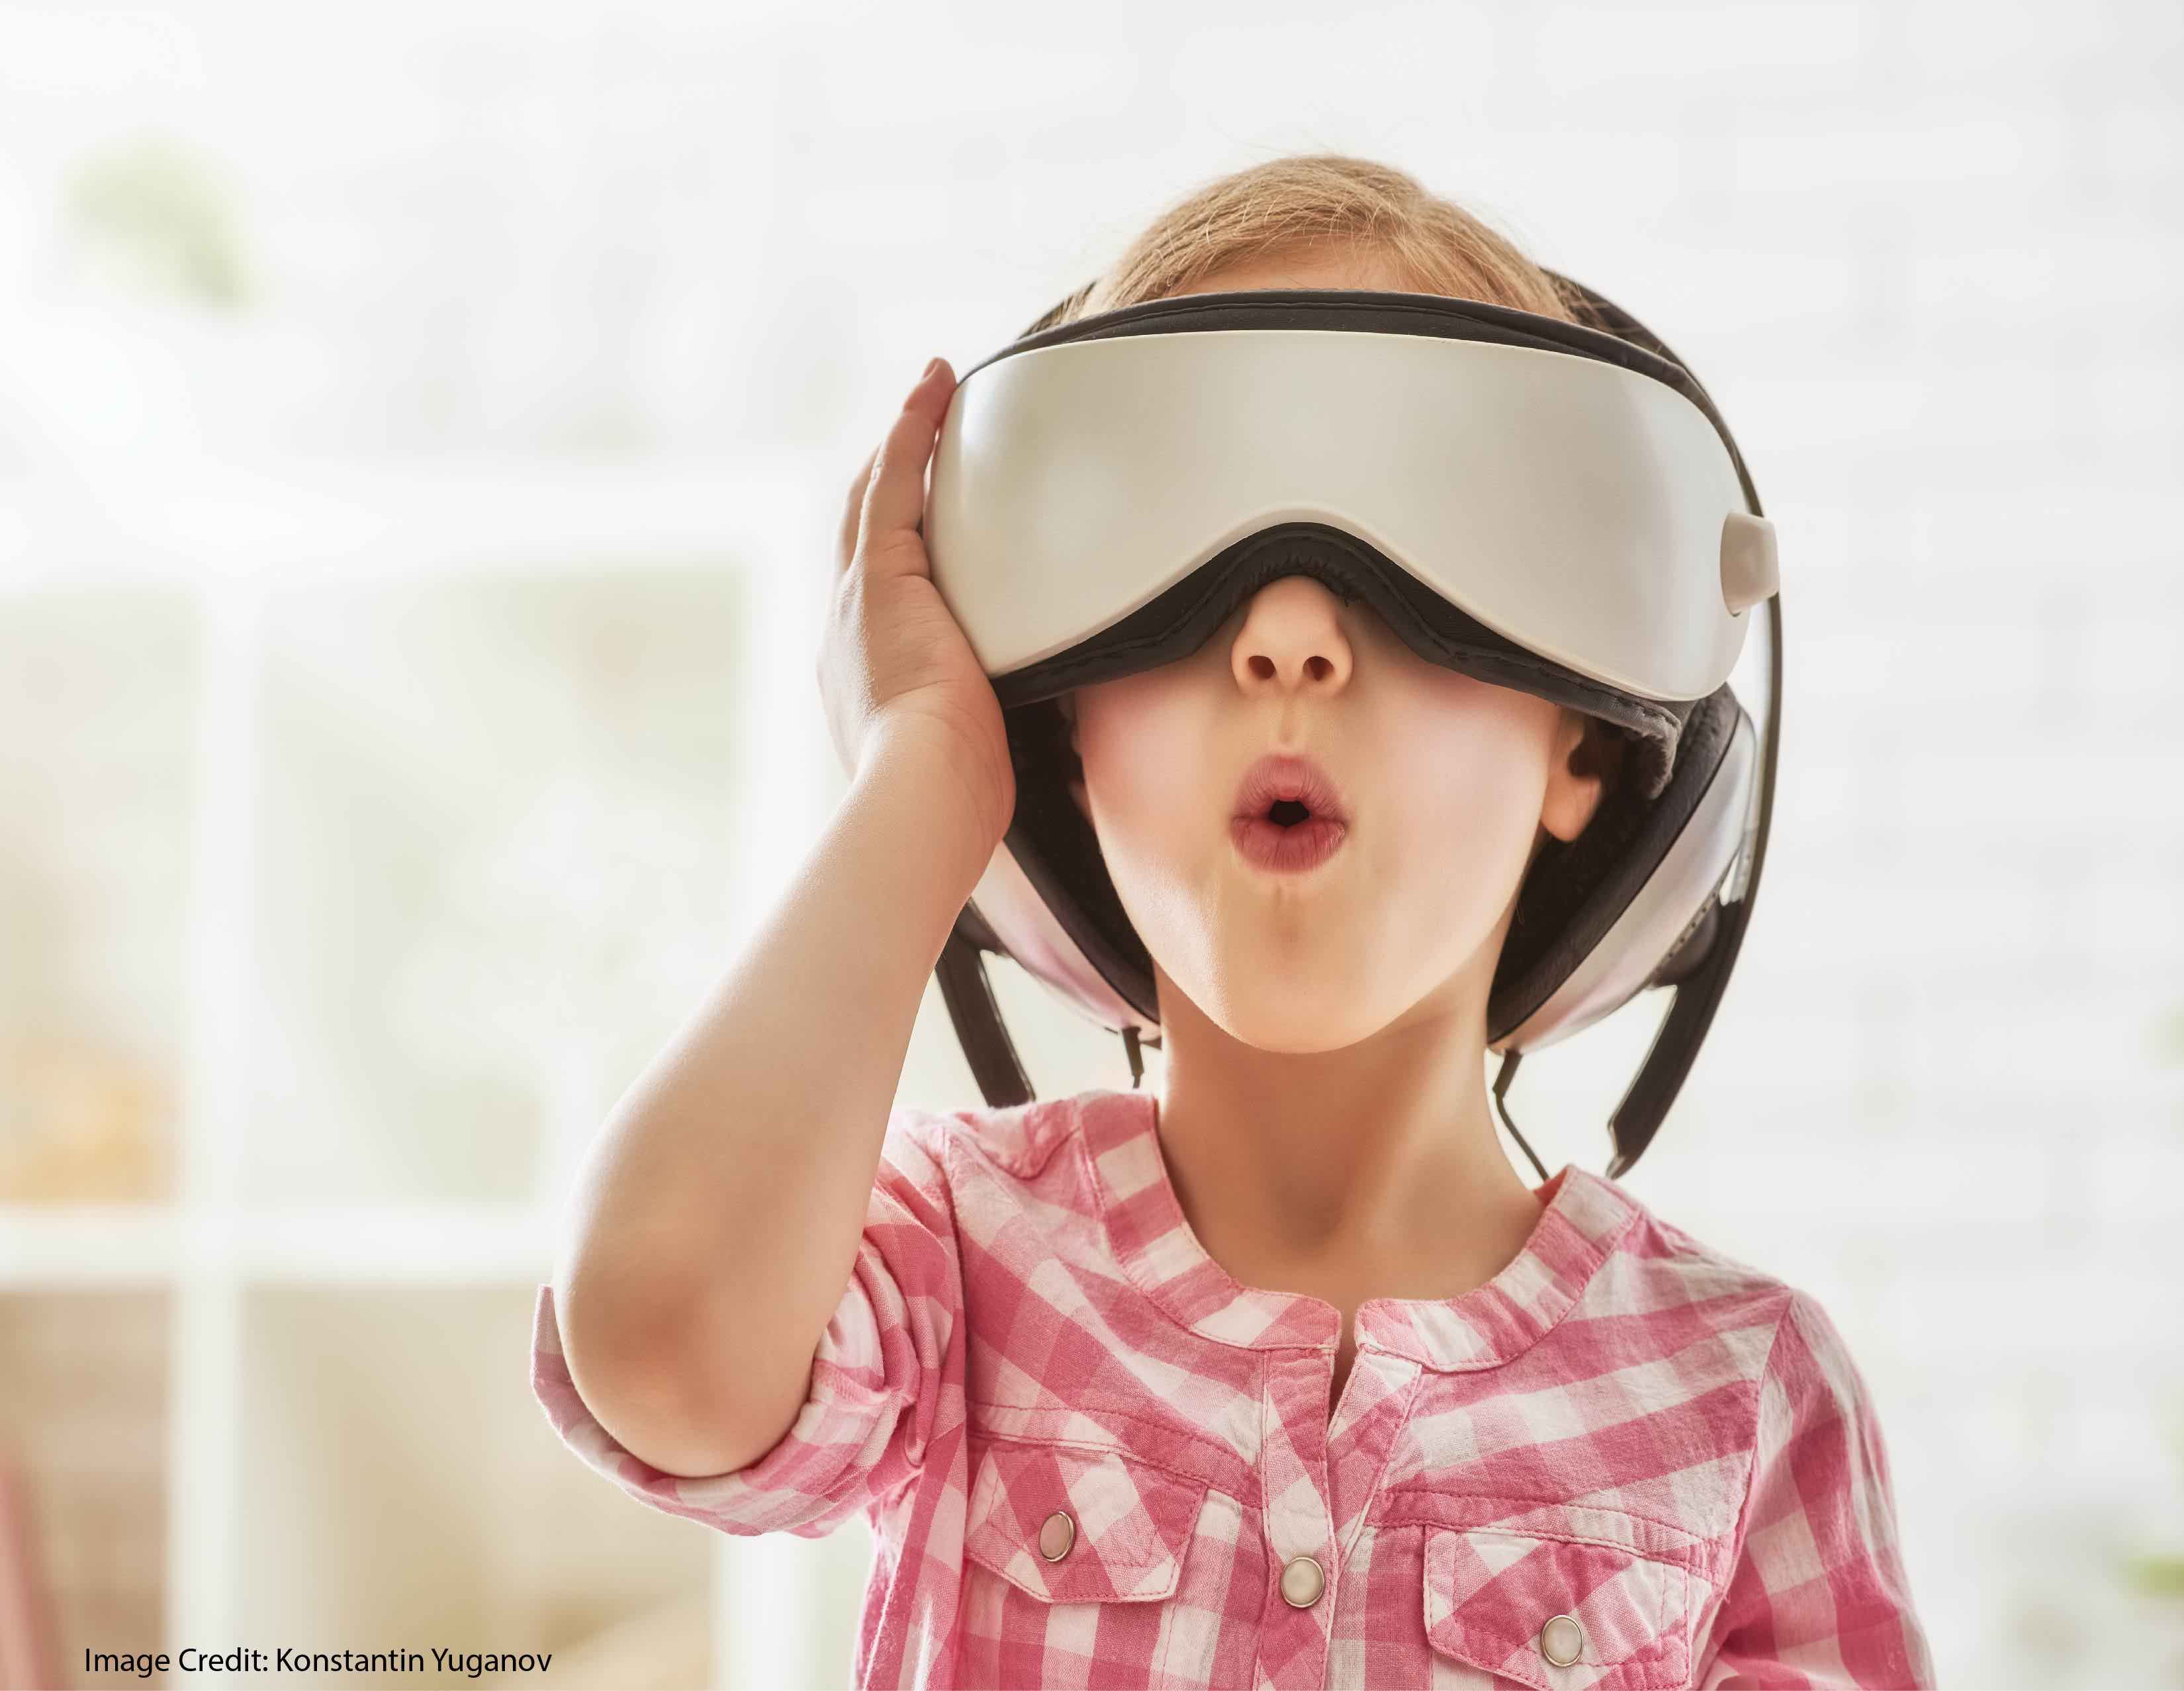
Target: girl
[(1280, 1377)]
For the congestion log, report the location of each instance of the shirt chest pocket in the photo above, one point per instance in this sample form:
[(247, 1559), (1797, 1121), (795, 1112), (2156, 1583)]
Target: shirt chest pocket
[(1070, 1525), (1558, 1613)]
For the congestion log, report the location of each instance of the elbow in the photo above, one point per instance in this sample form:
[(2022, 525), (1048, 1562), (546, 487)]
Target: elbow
[(638, 1357)]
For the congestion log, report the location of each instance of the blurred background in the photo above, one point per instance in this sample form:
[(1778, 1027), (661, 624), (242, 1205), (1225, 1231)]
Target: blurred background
[(422, 431)]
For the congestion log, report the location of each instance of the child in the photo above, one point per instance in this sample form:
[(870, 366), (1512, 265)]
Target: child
[(1280, 1377)]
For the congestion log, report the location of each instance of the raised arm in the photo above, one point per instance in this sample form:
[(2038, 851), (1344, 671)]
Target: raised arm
[(719, 1215)]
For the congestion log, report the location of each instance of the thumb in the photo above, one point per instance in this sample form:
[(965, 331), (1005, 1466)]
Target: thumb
[(894, 500)]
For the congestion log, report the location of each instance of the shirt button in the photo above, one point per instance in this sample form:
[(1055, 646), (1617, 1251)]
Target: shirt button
[(1056, 1535), (1302, 1580), (1562, 1640)]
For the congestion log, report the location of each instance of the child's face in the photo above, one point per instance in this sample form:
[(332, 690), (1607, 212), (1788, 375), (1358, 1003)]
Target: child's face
[(1450, 783)]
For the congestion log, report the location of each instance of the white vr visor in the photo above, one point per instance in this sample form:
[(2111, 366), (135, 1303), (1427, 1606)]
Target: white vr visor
[(1538, 504)]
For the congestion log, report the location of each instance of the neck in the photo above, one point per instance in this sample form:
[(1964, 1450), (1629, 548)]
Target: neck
[(1376, 1162)]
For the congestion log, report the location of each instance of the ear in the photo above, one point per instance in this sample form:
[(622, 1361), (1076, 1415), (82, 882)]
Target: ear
[(1588, 755)]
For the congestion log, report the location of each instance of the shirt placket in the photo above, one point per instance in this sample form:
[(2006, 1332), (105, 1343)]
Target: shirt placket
[(1319, 1479)]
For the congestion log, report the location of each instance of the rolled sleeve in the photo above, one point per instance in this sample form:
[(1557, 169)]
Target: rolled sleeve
[(1818, 1598), (886, 1375)]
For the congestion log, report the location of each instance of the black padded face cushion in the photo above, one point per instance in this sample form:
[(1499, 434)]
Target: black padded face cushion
[(1181, 620)]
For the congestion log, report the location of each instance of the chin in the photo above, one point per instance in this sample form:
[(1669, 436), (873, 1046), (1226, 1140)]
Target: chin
[(1275, 1012), (1291, 1035)]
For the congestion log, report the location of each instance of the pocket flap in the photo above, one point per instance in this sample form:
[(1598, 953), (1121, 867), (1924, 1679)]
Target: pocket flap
[(1130, 1523), (1490, 1594)]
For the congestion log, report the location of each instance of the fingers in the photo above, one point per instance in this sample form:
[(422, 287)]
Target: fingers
[(853, 515), (894, 499)]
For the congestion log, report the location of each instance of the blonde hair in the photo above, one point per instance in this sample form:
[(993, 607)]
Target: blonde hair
[(1312, 199)]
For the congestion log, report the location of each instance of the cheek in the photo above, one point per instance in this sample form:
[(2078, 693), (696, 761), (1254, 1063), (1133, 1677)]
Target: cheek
[(1468, 768), (1145, 744)]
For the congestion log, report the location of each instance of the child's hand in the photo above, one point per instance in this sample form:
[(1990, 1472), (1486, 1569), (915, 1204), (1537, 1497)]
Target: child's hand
[(893, 656)]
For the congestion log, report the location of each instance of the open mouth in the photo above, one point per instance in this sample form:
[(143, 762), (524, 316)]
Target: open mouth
[(1288, 791), (1288, 815)]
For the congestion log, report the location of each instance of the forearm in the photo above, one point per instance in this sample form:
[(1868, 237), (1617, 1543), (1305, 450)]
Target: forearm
[(719, 1212)]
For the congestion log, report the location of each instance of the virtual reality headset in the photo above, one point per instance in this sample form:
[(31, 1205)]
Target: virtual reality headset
[(1553, 506)]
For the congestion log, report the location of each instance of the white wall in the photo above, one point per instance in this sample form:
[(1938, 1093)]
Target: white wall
[(1927, 257)]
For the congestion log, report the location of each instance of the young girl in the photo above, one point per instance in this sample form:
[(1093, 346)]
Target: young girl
[(1280, 1376)]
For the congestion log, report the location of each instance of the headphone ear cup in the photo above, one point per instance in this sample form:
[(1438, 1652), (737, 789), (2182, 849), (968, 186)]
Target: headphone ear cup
[(1693, 949), (1075, 926)]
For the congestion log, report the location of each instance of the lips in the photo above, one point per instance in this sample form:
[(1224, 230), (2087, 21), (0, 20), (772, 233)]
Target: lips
[(1280, 778)]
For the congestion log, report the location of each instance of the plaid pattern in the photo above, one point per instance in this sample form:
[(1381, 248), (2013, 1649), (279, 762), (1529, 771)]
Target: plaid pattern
[(1669, 1448)]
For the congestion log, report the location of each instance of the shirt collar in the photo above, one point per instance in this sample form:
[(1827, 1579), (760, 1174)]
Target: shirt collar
[(1583, 1216)]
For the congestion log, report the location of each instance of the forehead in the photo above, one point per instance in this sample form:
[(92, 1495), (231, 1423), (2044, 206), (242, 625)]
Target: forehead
[(1328, 265)]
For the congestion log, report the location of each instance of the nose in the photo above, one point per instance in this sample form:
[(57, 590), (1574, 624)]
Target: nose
[(1292, 640)]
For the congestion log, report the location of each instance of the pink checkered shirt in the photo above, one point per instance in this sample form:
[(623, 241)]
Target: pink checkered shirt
[(1669, 1450)]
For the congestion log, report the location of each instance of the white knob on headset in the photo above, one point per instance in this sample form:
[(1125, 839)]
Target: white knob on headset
[(1750, 574)]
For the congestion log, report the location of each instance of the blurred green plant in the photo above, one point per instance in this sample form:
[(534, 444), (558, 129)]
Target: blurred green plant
[(2160, 1573), (2168, 1038), (160, 214)]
